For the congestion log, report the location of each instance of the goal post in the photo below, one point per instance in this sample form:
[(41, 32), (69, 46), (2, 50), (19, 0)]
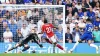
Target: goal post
[(54, 13)]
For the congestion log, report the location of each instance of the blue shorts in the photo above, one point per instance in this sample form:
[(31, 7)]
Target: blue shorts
[(86, 36)]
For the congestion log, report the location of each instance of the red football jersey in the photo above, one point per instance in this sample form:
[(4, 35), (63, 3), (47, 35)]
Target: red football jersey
[(48, 29)]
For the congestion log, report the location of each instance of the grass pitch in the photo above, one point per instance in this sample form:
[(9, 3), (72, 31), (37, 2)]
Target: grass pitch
[(49, 54)]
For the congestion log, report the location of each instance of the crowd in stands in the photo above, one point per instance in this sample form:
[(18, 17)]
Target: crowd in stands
[(76, 14), (18, 23), (32, 2)]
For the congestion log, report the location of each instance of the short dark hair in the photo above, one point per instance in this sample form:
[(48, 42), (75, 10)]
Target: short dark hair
[(68, 28), (45, 21), (89, 20), (97, 17)]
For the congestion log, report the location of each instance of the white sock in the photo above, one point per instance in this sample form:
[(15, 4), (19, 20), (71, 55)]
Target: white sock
[(93, 45), (6, 51), (75, 45)]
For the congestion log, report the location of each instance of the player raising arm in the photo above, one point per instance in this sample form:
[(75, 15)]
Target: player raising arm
[(24, 42), (48, 29), (87, 36)]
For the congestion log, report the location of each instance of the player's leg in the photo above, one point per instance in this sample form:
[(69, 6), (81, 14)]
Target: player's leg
[(74, 47), (77, 42), (16, 46), (26, 47), (36, 39), (54, 45), (53, 39), (92, 44), (47, 40), (38, 43)]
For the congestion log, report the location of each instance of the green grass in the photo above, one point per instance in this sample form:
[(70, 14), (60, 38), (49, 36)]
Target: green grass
[(49, 54)]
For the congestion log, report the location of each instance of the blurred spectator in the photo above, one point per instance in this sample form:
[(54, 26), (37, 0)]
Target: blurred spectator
[(19, 1), (68, 36), (4, 1), (81, 24), (85, 15), (87, 5), (97, 5), (1, 29), (78, 6), (76, 34), (21, 13), (96, 34), (83, 1), (29, 13), (13, 27), (99, 13), (12, 18), (5, 25), (97, 22), (84, 9), (3, 12), (69, 10), (90, 13), (93, 3), (8, 14), (7, 35), (56, 23), (12, 1), (75, 16), (60, 19), (5, 20), (25, 30), (35, 16), (21, 22), (96, 11), (56, 14), (18, 36), (48, 2), (15, 17), (31, 24), (80, 13), (76, 25), (69, 17), (59, 2), (59, 34), (74, 8), (72, 25), (27, 1)]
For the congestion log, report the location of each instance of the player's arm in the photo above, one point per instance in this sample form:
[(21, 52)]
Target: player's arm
[(54, 27), (42, 30)]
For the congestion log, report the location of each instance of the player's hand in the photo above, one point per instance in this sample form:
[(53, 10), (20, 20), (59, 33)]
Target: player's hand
[(41, 45)]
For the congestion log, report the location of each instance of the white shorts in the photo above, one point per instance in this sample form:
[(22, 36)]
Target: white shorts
[(52, 39)]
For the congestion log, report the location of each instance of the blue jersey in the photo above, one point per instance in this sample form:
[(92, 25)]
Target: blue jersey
[(89, 28), (88, 32)]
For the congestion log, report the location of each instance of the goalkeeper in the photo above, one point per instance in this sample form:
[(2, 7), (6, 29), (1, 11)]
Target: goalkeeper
[(24, 42)]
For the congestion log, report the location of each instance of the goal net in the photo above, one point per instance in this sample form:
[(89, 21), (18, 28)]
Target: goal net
[(17, 19)]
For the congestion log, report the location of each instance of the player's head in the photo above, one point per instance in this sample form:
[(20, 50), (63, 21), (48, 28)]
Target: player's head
[(88, 20), (96, 28), (45, 21), (97, 19)]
